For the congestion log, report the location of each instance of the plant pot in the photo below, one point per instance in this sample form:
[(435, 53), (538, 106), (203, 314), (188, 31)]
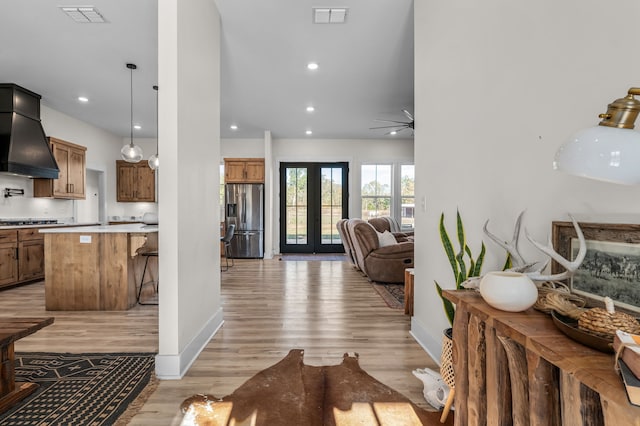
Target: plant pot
[(446, 370), (446, 358)]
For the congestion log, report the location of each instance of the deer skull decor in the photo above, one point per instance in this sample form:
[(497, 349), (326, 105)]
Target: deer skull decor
[(532, 269)]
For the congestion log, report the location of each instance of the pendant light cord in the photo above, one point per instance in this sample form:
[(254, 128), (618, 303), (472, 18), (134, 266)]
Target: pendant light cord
[(131, 109)]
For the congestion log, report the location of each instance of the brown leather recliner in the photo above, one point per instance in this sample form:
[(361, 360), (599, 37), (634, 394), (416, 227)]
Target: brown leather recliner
[(341, 225), (382, 264), (387, 223)]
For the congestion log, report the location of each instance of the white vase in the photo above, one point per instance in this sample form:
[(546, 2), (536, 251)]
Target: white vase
[(508, 291)]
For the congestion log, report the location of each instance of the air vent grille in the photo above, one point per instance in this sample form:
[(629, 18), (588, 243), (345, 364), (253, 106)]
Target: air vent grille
[(83, 14), (335, 15)]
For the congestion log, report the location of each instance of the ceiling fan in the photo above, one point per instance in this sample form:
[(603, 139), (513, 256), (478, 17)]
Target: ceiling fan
[(398, 126)]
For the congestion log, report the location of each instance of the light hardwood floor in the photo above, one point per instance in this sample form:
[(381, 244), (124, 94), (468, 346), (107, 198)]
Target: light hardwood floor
[(270, 307)]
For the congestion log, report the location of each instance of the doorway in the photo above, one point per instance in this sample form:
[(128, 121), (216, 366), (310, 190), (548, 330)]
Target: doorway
[(313, 198)]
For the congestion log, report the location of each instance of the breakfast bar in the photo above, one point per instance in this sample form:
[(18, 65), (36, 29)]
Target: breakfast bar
[(95, 267)]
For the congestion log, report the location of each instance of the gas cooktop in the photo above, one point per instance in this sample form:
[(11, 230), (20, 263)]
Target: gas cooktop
[(15, 222)]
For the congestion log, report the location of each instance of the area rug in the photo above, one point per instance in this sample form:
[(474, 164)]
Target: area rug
[(292, 393), (79, 389), (337, 257), (392, 294)]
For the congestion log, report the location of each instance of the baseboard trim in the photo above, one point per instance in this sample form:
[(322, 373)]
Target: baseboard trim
[(174, 367), (431, 344)]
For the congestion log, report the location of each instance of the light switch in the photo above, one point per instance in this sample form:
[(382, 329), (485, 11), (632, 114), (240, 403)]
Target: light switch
[(85, 239)]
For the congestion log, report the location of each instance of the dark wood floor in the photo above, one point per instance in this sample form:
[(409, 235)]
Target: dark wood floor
[(270, 306)]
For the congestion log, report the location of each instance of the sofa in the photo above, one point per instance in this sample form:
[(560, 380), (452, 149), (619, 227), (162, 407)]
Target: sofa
[(387, 223), (385, 264)]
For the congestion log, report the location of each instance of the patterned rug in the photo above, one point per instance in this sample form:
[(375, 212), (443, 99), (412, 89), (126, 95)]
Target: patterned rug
[(79, 389), (392, 294)]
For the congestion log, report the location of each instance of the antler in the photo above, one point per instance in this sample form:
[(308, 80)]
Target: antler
[(510, 247), (570, 267)]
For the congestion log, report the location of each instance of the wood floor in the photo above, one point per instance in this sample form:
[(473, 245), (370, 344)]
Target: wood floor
[(270, 307)]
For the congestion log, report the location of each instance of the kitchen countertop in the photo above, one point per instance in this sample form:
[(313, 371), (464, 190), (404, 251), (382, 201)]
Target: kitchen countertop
[(103, 229), (47, 225)]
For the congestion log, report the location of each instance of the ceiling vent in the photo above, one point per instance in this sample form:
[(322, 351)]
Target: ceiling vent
[(83, 14), (323, 15)]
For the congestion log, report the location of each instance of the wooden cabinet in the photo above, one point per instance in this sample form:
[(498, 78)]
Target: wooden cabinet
[(70, 184), (21, 256), (8, 257), (30, 254), (136, 182), (244, 170)]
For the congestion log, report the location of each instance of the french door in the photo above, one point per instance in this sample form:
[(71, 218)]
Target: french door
[(313, 198)]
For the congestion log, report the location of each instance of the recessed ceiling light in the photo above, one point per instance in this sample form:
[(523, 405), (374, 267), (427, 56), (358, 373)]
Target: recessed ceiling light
[(233, 127), (309, 132), (310, 109), (83, 99), (83, 14), (393, 132), (312, 66), (137, 126)]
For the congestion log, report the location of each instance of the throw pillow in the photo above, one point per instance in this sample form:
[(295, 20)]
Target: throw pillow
[(386, 238)]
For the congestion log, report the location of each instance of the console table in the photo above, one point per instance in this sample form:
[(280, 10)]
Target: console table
[(12, 329), (518, 368)]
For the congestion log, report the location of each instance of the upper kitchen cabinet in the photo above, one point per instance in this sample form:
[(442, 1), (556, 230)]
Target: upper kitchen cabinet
[(71, 180), (244, 170), (136, 182)]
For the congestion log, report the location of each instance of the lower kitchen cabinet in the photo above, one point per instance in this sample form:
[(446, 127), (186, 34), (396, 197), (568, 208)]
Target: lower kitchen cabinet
[(21, 256), (30, 255)]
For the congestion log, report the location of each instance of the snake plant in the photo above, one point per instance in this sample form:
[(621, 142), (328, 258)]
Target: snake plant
[(462, 262)]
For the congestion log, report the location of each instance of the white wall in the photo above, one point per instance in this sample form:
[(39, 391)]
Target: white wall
[(103, 149), (190, 308), (499, 86)]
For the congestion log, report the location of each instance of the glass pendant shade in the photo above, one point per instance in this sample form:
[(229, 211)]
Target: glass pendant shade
[(154, 162), (131, 153), (603, 153)]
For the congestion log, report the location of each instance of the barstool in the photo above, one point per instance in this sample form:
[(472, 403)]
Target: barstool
[(144, 271)]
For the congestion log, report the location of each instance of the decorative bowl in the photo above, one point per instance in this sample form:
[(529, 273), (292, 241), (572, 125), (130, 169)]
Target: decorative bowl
[(569, 326), (508, 291)]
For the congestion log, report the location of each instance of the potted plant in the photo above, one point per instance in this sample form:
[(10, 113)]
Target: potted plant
[(464, 267), (458, 261)]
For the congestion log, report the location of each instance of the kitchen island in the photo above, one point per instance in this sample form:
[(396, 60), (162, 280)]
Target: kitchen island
[(95, 267)]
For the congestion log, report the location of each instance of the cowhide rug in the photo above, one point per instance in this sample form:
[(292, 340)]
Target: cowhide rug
[(292, 393)]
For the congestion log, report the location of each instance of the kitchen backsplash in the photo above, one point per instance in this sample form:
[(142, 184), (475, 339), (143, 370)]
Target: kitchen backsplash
[(26, 206)]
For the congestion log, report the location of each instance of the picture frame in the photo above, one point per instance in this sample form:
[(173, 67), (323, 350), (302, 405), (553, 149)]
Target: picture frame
[(611, 266)]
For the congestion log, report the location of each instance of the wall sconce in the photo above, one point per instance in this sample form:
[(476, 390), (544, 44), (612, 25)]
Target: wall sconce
[(609, 151)]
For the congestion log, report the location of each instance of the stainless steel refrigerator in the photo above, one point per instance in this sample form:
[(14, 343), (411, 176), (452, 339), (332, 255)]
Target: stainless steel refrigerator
[(244, 207)]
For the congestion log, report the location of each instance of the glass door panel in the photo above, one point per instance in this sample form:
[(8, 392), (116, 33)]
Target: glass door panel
[(315, 198)]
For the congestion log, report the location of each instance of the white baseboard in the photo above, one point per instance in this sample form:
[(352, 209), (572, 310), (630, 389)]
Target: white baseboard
[(174, 367), (431, 344)]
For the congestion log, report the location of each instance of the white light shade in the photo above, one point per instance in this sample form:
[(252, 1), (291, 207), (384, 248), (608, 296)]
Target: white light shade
[(154, 162), (602, 153), (131, 153)]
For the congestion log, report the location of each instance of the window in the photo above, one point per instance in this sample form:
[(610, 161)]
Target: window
[(407, 194), (376, 190), (388, 190)]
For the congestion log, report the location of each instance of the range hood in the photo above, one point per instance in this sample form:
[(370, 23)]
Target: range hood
[(24, 149)]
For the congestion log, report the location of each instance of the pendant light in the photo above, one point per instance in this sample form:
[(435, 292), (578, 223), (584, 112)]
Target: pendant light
[(154, 161), (610, 151), (131, 153)]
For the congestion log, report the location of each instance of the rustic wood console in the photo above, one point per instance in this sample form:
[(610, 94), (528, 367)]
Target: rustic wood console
[(518, 368)]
